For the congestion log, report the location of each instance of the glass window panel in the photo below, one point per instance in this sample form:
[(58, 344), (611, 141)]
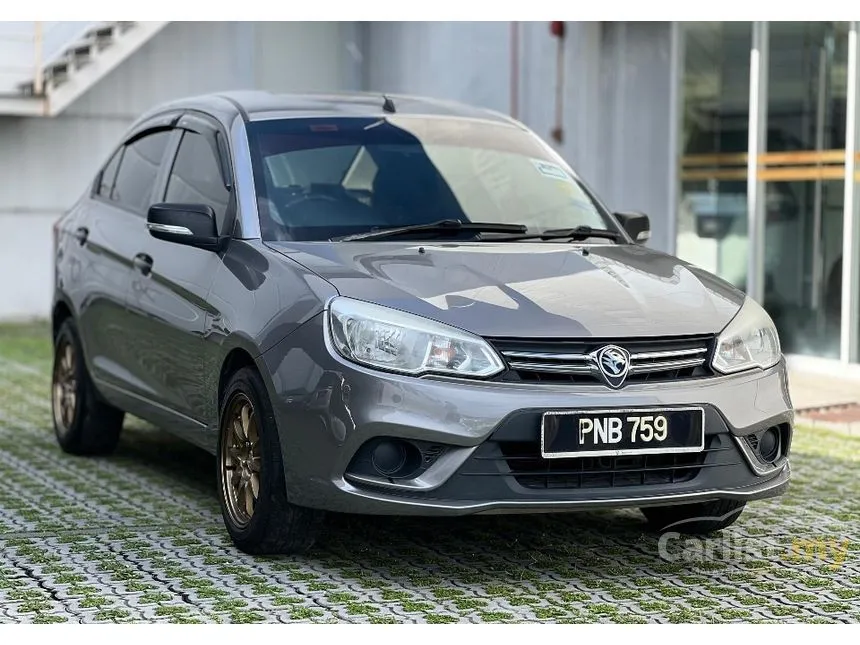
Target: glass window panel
[(804, 186), (712, 215)]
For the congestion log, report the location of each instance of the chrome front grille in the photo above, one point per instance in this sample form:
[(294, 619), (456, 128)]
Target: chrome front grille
[(571, 360)]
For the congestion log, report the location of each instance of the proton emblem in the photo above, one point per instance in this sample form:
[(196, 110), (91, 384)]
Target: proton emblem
[(613, 363)]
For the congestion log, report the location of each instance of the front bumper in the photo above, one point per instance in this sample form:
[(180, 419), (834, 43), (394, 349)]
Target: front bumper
[(328, 408)]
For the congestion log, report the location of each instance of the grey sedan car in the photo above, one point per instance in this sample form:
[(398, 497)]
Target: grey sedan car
[(391, 305)]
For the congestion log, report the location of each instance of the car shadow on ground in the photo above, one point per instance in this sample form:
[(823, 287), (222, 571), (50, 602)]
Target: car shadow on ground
[(521, 540)]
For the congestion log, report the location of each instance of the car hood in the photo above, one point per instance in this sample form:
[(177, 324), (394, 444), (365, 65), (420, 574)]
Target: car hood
[(544, 290)]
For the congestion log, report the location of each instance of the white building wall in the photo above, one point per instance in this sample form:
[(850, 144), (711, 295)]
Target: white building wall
[(635, 133), (311, 56), (46, 164), (465, 61)]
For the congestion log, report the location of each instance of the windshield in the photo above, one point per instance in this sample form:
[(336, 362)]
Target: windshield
[(321, 178)]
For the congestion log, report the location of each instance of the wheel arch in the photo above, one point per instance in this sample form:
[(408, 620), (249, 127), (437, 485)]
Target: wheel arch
[(236, 359), (61, 311), (240, 352)]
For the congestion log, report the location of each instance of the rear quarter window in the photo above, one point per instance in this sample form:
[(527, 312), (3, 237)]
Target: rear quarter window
[(108, 175), (138, 170)]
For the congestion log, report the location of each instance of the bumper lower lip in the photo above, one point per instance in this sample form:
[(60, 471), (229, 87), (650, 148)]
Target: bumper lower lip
[(398, 505)]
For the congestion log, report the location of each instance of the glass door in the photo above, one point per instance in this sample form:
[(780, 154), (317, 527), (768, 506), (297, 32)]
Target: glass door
[(803, 171), (712, 214)]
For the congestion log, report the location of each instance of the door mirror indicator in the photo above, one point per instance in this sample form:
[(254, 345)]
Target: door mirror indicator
[(636, 225), (189, 224)]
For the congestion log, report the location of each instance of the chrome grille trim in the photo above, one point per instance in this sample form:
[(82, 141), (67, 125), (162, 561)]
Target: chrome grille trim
[(550, 367), (558, 357), (650, 360), (671, 354), (640, 368)]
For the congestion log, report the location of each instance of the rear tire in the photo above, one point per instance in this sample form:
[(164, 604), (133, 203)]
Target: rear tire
[(251, 485), (83, 423), (694, 519)]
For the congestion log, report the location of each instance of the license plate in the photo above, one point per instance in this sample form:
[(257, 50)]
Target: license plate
[(641, 431)]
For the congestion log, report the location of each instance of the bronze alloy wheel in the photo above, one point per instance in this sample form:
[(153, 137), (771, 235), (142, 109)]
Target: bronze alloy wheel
[(65, 386), (240, 459)]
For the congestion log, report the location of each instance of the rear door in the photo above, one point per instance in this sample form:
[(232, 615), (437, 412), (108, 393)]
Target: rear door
[(168, 300), (109, 229)]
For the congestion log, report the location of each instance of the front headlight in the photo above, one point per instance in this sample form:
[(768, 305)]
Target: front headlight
[(749, 340), (395, 340)]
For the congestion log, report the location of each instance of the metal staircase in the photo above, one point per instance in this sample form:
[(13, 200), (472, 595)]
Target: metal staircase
[(51, 86)]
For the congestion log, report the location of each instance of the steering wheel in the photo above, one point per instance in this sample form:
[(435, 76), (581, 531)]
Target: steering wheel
[(315, 209)]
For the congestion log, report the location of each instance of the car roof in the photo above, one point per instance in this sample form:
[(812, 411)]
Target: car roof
[(255, 105)]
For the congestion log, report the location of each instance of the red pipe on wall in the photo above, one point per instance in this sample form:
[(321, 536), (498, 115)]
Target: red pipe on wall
[(556, 28)]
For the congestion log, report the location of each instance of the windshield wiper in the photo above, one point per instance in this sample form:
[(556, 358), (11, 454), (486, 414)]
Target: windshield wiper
[(575, 233), (442, 226)]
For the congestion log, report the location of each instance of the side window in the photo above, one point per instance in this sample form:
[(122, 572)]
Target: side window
[(196, 177), (138, 170), (109, 175)]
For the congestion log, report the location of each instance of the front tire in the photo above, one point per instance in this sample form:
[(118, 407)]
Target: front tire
[(251, 486), (694, 519), (83, 423)]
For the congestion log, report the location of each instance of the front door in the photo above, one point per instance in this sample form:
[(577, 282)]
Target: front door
[(169, 288)]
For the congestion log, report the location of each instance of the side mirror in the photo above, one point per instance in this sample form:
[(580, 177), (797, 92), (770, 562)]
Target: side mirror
[(636, 225), (189, 224)]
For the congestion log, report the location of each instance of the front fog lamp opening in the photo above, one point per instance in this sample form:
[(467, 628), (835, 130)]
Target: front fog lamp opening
[(389, 458), (392, 459), (394, 340), (770, 445)]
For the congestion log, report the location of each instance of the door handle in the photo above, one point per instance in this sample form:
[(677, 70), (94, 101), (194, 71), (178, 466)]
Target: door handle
[(81, 234), (143, 263)]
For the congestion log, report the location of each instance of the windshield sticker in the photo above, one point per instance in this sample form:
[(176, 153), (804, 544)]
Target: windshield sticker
[(548, 169)]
